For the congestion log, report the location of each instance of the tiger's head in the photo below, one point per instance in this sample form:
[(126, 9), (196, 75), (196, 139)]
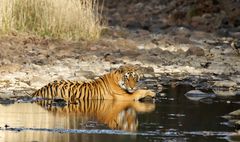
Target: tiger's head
[(128, 78)]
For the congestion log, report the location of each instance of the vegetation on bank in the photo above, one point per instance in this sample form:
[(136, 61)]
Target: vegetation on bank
[(64, 19)]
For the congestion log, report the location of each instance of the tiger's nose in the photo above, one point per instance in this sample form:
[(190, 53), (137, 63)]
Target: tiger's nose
[(131, 89)]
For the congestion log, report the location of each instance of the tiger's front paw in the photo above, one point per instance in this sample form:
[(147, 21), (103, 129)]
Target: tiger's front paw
[(145, 94), (150, 93)]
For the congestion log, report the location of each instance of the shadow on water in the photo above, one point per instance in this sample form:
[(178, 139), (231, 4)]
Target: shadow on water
[(171, 118)]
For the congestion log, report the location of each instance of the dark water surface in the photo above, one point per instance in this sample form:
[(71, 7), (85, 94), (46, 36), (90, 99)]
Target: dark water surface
[(171, 118)]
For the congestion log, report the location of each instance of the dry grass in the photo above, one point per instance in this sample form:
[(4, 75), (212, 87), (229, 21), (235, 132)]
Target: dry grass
[(64, 19)]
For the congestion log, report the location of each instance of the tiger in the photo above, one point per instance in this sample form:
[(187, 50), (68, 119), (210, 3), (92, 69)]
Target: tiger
[(117, 115), (119, 84)]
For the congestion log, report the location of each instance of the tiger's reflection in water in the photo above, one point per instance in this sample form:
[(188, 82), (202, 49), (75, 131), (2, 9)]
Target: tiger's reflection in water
[(120, 115)]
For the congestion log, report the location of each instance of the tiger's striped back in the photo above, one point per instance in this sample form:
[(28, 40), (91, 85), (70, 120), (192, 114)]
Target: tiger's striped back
[(119, 84), (72, 90)]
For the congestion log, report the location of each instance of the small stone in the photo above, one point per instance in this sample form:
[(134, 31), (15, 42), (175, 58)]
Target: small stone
[(195, 51)]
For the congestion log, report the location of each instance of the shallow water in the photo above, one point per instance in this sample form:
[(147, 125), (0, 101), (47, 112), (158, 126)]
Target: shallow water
[(171, 118)]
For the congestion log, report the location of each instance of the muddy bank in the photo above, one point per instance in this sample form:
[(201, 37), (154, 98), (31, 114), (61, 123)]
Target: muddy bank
[(201, 59)]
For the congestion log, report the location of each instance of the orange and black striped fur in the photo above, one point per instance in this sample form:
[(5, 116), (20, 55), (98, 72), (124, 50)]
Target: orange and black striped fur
[(119, 84)]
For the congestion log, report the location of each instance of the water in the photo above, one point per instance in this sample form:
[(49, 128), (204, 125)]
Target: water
[(171, 118)]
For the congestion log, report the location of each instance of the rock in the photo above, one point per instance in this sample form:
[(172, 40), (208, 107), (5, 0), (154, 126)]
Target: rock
[(147, 46), (234, 34), (183, 31), (148, 75), (225, 83), (196, 21), (5, 62), (229, 51), (236, 44), (139, 5), (235, 137), (6, 93), (24, 99), (133, 25), (6, 101), (85, 74), (197, 95), (205, 64), (235, 113), (225, 88), (235, 78), (233, 117), (113, 22), (225, 23), (237, 22), (38, 82), (195, 51), (225, 93), (147, 70), (223, 32), (10, 67), (126, 43), (158, 28), (154, 28), (221, 68)]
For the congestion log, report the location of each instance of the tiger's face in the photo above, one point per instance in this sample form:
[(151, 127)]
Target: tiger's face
[(129, 78)]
